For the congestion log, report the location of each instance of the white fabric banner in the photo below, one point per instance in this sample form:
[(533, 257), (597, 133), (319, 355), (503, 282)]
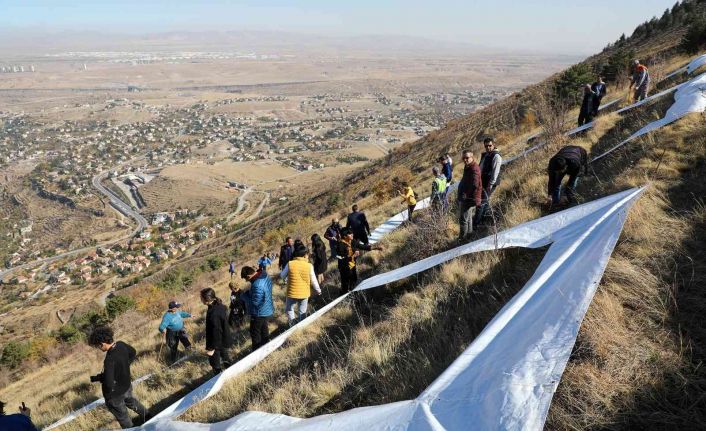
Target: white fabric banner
[(505, 379), (696, 63)]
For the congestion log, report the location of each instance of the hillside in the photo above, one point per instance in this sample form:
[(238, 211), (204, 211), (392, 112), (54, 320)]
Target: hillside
[(637, 362)]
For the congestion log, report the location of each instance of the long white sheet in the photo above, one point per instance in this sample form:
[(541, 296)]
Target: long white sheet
[(696, 63), (505, 379)]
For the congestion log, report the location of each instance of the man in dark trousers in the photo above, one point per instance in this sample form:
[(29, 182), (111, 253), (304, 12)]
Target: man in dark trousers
[(116, 381), (358, 223), (570, 160), (172, 327), (469, 195), (586, 111), (285, 252), (258, 300), (333, 234), (347, 250), (598, 87), (640, 80), (490, 164)]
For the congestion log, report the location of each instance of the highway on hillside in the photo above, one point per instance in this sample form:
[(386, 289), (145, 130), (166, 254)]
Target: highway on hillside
[(115, 202)]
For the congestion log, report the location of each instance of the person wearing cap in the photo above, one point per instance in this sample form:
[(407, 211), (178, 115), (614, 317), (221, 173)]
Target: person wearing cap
[(347, 250), (640, 80), (301, 278), (16, 422), (172, 327)]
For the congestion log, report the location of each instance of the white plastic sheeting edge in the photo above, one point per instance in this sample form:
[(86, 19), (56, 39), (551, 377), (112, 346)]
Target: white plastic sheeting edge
[(689, 98), (506, 378)]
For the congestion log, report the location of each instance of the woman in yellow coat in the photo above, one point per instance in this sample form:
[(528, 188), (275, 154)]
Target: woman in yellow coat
[(408, 197), (300, 277)]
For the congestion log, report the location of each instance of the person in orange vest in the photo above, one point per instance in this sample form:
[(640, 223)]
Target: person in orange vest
[(641, 80), (301, 278)]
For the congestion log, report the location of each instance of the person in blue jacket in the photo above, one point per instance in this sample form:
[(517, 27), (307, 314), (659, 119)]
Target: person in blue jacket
[(16, 422), (264, 261), (172, 327), (258, 301)]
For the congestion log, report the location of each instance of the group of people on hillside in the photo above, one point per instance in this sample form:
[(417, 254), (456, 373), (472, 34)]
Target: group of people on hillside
[(593, 93), (302, 269)]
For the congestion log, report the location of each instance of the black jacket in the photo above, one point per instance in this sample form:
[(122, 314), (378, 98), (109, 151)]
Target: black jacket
[(358, 223), (320, 259), (285, 255), (217, 329), (116, 377), (576, 162), (344, 252)]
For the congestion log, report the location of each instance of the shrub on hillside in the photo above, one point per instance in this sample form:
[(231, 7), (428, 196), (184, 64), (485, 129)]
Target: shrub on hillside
[(69, 334), (176, 280), (14, 353), (117, 305), (568, 86), (214, 262), (87, 321), (40, 347), (695, 37)]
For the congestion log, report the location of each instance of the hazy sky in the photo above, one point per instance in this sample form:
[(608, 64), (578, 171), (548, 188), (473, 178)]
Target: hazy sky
[(577, 27)]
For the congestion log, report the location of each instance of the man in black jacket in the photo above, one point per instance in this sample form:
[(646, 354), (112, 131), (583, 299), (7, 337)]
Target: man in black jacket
[(570, 160), (598, 87), (587, 112), (115, 379), (358, 223), (285, 252)]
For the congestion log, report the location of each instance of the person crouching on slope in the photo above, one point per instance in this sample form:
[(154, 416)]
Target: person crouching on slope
[(570, 160), (258, 301), (116, 381), (172, 327), (300, 277), (218, 338), (408, 197), (347, 250)]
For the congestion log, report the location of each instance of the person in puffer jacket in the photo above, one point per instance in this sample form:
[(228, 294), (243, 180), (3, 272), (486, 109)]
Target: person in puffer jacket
[(258, 302), (301, 278)]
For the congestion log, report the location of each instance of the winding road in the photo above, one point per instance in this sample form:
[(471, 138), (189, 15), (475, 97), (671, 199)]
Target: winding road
[(115, 202)]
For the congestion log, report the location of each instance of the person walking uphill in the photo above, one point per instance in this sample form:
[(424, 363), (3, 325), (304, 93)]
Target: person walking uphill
[(469, 194), (586, 111), (358, 223), (318, 251), (116, 381), (408, 197), (640, 80), (300, 277), (490, 164), (347, 250), (285, 252), (218, 338), (172, 327), (570, 160), (258, 301)]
